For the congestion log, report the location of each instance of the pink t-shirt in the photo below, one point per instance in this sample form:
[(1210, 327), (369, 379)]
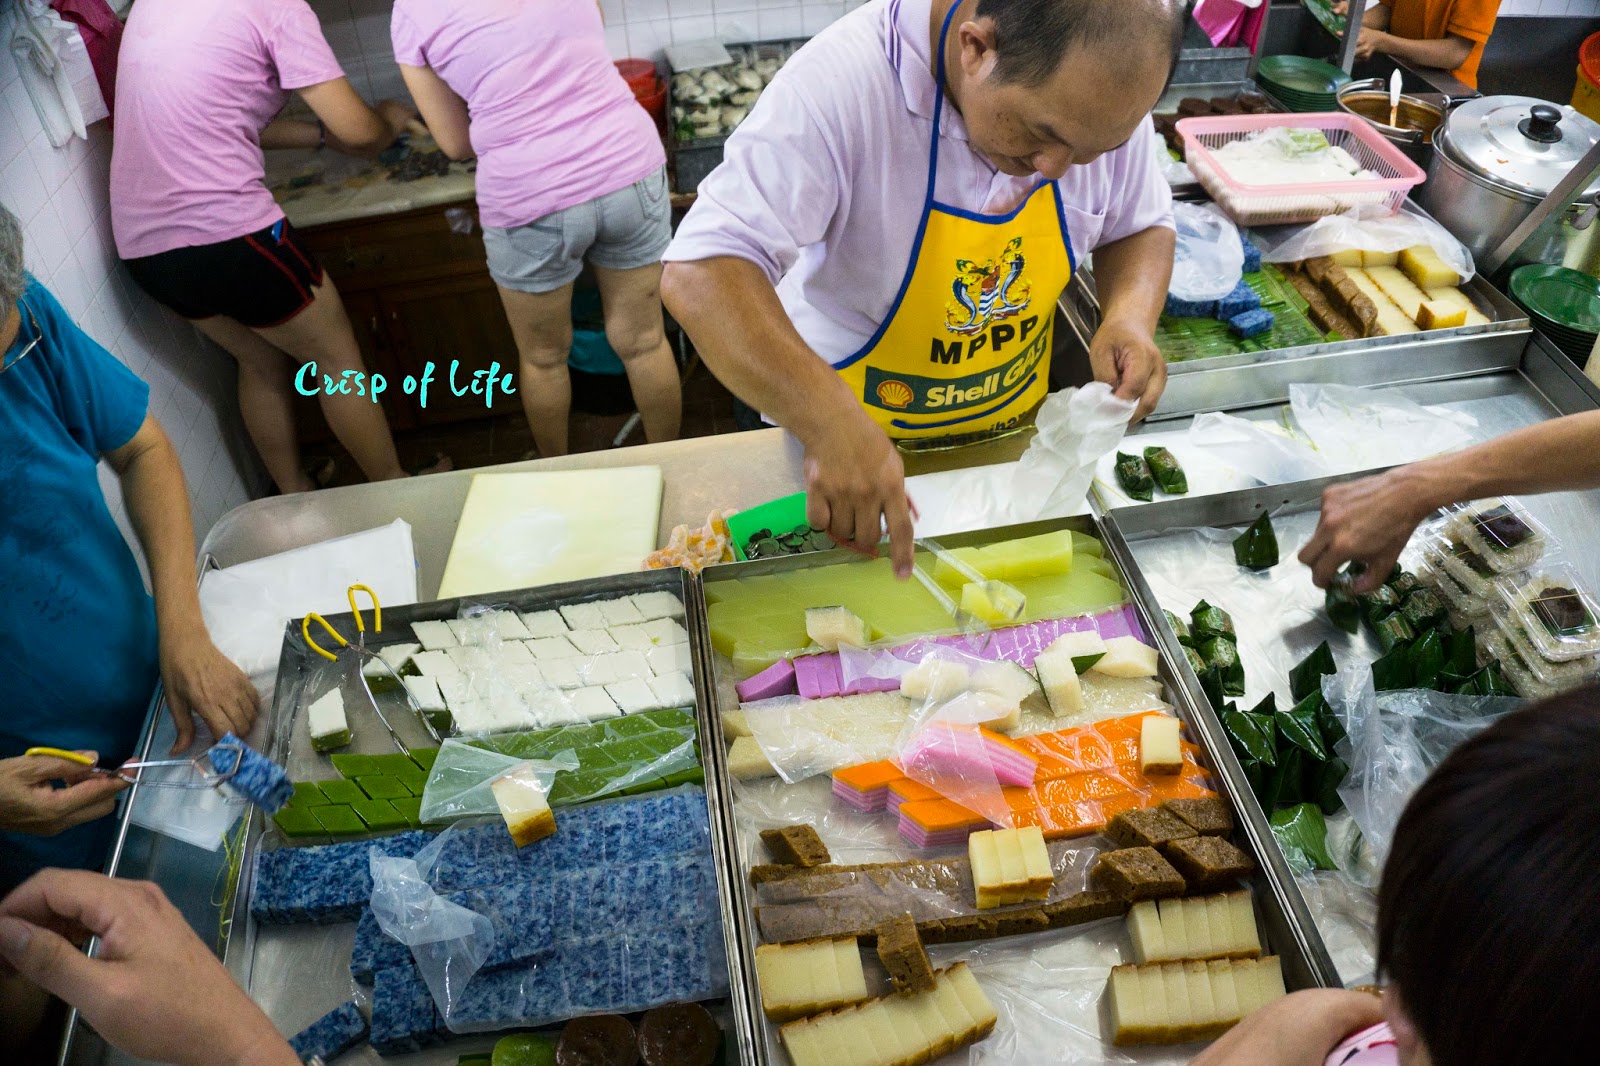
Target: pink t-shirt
[(197, 81), (553, 123)]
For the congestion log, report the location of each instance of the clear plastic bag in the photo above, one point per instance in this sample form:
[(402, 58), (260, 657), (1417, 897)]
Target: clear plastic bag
[(804, 738), (1363, 429), (1261, 450), (459, 783), (1395, 740), (1368, 230), (1209, 258)]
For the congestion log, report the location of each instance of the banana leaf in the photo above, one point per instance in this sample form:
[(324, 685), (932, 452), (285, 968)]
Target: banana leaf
[(1461, 652), (1222, 655), (1166, 471), (1267, 707), (1257, 547), (1329, 726), (1404, 584), (1422, 608), (1206, 621), (1392, 671), (1306, 677), (1382, 596), (1286, 781), (1211, 685), (1195, 661), (1302, 829), (1251, 737), (1393, 632), (1298, 727), (1426, 658), (1133, 474), (1344, 610), (1180, 627), (1329, 777)]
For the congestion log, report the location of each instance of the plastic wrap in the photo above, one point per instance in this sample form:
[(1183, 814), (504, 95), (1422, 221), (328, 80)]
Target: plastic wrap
[(1262, 450), (803, 738), (1372, 231), (1362, 429), (459, 783), (1395, 740), (1209, 258)]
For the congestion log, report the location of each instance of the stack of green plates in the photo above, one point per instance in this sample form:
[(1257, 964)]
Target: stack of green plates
[(1563, 304), (1300, 83)]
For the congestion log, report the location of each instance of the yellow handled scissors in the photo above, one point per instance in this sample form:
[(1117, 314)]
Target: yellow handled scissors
[(361, 625), (207, 777)]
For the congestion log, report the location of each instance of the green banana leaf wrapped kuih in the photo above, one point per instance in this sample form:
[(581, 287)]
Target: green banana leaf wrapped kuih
[(1133, 474), (1166, 471), (1197, 663), (1206, 621), (1302, 829), (1392, 671), (1427, 659), (1393, 631), (1329, 777), (1257, 547), (1306, 677), (1221, 654), (1298, 727), (1180, 627), (1250, 736)]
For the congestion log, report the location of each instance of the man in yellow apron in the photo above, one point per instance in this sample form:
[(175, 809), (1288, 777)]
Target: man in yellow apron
[(906, 201)]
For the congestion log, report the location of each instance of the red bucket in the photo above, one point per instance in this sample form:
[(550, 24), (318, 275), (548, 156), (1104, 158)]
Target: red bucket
[(640, 74), (656, 103)]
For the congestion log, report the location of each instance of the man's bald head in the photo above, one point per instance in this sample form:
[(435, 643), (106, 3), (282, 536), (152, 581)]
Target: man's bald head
[(1033, 36)]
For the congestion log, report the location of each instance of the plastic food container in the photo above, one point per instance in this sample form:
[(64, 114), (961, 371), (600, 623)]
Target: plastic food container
[(1557, 613), (780, 515), (1501, 533), (1268, 205), (1507, 635)]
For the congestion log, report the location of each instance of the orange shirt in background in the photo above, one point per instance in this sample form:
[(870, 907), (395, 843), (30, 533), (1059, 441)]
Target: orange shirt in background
[(1434, 20)]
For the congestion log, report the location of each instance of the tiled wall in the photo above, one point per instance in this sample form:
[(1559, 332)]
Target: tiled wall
[(1550, 8), (358, 30), (60, 196)]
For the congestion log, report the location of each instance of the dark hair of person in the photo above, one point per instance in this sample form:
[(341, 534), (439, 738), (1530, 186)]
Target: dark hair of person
[(1032, 36), (1489, 911)]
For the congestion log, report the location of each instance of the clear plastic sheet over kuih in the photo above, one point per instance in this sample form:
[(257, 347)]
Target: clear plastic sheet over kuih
[(459, 785)]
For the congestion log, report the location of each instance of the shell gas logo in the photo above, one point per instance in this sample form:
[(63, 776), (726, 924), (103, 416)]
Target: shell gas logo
[(895, 394)]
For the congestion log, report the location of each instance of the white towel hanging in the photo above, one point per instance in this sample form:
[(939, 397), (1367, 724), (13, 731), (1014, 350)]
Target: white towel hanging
[(55, 69)]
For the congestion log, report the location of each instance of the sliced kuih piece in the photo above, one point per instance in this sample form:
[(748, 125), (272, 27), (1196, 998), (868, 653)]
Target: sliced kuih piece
[(1298, 726), (903, 957), (1166, 471), (1133, 474), (1301, 828), (1426, 658), (1208, 817), (1208, 863), (1206, 621), (1391, 672), (1134, 874), (1394, 631), (1257, 547), (1251, 737), (796, 845), (1181, 628), (1306, 677), (1148, 827)]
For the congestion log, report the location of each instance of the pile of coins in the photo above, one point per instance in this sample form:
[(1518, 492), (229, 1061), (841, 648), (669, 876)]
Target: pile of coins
[(764, 544)]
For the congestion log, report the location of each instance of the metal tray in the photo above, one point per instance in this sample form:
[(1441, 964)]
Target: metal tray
[(1286, 926), (297, 973)]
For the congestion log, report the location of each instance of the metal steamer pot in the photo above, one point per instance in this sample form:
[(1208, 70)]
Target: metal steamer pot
[(1495, 158), (1369, 99)]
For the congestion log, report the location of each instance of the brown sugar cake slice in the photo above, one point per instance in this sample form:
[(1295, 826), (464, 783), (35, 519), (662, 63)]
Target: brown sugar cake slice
[(1208, 863), (796, 845), (1147, 827), (901, 952), (1209, 817), (1137, 873), (801, 979)]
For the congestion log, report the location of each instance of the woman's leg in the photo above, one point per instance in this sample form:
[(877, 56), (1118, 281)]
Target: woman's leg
[(632, 300), (266, 399), (541, 324), (321, 333)]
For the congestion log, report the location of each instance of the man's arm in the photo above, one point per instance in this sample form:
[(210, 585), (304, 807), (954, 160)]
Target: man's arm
[(1131, 277), (199, 679), (1446, 54), (855, 478), (1370, 520), (444, 112)]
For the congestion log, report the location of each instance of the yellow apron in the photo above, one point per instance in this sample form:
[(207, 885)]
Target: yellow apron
[(965, 349)]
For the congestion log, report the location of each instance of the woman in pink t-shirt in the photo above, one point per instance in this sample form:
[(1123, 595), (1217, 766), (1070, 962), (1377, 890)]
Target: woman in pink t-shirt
[(198, 87), (570, 169)]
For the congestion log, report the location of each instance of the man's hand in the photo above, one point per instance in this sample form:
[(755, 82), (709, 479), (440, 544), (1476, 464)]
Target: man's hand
[(855, 481), (1367, 521), (1297, 1030), (155, 991), (1370, 41), (200, 680), (30, 803), (1125, 357)]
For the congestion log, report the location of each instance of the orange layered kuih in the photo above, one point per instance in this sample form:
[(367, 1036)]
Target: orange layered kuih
[(1086, 777)]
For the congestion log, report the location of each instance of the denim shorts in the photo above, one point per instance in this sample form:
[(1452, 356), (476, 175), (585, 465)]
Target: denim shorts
[(623, 230)]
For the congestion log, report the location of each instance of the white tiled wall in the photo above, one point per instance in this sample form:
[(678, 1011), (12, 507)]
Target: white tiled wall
[(60, 196), (358, 30), (1550, 8)]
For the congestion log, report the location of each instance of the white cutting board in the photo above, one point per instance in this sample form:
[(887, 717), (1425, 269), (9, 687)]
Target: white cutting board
[(519, 530)]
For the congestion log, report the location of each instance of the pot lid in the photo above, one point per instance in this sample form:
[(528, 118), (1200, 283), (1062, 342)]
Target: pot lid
[(1521, 142)]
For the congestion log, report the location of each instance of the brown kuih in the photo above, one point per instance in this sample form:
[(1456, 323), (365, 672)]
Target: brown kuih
[(1147, 827), (796, 845), (900, 950), (1137, 873), (1208, 863), (679, 1034), (1209, 817)]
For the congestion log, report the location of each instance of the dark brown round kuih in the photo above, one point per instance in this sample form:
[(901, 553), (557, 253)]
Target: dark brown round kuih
[(679, 1034), (604, 1040)]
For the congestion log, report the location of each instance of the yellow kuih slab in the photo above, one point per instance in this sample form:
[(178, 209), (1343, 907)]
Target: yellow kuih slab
[(1194, 927), (905, 1029), (801, 979), (1010, 866), (1177, 1002)]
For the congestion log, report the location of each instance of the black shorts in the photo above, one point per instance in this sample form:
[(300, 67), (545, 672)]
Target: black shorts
[(261, 279)]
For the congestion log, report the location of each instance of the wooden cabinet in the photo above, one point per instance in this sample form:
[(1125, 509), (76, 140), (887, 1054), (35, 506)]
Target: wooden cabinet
[(416, 293)]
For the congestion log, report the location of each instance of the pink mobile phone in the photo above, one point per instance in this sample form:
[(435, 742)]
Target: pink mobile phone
[(1370, 1047)]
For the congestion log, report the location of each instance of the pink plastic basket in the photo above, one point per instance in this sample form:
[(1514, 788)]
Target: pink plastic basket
[(1268, 205)]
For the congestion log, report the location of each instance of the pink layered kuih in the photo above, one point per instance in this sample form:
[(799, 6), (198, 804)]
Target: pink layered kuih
[(919, 837), (776, 680), (967, 753), (865, 802)]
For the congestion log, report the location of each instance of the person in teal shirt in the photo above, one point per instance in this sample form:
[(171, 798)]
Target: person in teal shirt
[(85, 642)]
